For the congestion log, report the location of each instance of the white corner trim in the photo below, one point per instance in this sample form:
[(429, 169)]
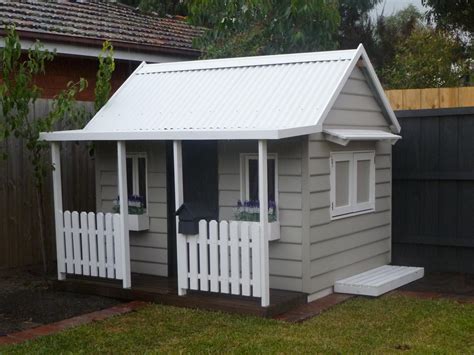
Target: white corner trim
[(320, 294)]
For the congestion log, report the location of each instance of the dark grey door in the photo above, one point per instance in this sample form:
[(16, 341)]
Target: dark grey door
[(200, 184)]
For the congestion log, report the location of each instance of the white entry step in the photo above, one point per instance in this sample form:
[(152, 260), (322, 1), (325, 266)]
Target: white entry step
[(380, 280)]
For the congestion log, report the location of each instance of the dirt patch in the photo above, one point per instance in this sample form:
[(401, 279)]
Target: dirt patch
[(27, 300), (453, 283)]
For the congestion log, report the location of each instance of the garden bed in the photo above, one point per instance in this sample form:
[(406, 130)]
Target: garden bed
[(28, 301)]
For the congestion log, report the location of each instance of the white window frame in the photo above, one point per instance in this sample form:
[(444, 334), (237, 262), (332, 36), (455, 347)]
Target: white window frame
[(135, 177), (244, 176), (353, 208)]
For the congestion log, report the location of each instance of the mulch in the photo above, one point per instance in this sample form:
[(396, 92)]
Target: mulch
[(27, 300)]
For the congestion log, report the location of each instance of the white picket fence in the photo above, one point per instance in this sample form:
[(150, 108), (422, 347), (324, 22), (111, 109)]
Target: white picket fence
[(90, 244), (225, 258)]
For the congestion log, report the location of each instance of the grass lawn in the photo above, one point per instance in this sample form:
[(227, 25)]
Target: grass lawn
[(391, 323)]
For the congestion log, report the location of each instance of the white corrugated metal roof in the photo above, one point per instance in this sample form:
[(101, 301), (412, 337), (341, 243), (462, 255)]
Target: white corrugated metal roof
[(267, 97), (344, 136)]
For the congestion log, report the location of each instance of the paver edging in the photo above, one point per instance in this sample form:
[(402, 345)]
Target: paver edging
[(48, 329)]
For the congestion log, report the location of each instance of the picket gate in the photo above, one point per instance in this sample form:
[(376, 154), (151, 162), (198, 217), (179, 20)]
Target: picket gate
[(224, 257)]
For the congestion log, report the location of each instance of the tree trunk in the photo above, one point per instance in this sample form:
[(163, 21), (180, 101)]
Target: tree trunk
[(40, 209)]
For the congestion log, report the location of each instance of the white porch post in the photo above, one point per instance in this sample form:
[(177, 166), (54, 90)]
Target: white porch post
[(58, 209), (123, 195), (179, 199), (263, 200)]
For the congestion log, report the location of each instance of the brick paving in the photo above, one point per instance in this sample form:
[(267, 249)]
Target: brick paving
[(312, 309), (48, 329)]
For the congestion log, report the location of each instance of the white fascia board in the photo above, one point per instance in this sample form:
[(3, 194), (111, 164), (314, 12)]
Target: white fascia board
[(298, 131), (272, 134), (251, 61), (361, 53), (380, 91), (84, 135), (93, 52), (335, 94)]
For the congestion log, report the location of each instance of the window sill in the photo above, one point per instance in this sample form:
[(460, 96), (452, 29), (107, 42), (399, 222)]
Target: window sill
[(352, 214)]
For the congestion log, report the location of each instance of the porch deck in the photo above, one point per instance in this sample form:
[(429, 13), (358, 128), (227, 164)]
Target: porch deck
[(164, 290)]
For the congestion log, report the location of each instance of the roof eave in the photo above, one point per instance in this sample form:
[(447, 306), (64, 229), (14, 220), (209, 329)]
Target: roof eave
[(84, 135), (80, 40)]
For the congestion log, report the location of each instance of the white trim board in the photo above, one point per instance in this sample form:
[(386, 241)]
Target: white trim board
[(378, 281), (94, 51)]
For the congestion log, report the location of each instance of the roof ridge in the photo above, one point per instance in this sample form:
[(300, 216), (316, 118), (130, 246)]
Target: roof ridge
[(250, 61)]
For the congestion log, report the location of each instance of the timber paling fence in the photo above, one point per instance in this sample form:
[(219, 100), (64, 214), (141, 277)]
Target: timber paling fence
[(19, 238), (433, 190), (433, 98)]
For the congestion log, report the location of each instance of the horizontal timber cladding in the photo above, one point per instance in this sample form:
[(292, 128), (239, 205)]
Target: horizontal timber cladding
[(286, 266), (344, 247), (433, 184), (148, 249), (356, 106)]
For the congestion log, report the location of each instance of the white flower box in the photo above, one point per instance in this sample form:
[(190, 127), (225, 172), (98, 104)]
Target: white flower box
[(138, 222), (273, 230)]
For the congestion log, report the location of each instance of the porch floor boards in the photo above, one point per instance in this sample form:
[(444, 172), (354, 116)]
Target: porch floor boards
[(164, 290)]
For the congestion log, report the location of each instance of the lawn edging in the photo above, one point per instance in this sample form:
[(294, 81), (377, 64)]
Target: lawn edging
[(47, 329)]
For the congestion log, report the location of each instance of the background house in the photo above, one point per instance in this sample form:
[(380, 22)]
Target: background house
[(76, 31)]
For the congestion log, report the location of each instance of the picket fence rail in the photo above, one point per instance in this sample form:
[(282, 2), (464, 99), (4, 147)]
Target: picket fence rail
[(224, 257), (90, 244)]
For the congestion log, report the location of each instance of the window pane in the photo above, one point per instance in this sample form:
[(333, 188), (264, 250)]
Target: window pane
[(363, 180), (271, 179), (142, 179), (253, 179), (130, 176), (342, 183)]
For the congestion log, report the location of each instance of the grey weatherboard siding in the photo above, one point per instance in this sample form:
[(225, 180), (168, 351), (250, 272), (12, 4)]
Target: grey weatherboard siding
[(148, 249), (286, 265), (347, 246)]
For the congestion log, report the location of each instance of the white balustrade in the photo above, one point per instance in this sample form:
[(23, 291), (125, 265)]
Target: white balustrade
[(91, 244)]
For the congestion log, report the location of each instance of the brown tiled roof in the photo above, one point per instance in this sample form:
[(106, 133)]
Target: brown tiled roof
[(88, 22)]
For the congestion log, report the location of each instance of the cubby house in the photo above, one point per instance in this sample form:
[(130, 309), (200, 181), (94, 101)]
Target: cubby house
[(289, 155)]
